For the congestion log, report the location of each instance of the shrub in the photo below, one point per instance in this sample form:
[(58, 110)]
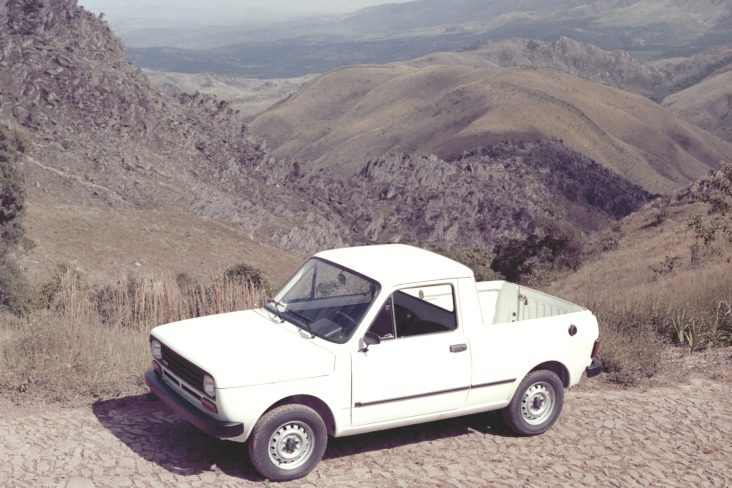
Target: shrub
[(14, 289), (631, 350), (12, 191), (246, 273), (715, 191), (548, 247), (667, 265), (13, 286)]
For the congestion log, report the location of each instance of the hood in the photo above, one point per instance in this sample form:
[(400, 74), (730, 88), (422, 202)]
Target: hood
[(246, 348)]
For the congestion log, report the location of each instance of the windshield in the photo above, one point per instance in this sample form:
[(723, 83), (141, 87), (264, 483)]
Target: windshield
[(325, 299)]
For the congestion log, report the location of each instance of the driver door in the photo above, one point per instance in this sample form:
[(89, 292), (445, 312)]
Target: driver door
[(421, 365)]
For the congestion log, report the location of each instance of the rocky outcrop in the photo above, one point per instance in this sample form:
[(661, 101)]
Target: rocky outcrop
[(101, 135), (486, 197)]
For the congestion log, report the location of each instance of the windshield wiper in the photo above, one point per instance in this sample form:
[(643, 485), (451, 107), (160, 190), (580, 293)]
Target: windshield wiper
[(274, 307), (305, 322)]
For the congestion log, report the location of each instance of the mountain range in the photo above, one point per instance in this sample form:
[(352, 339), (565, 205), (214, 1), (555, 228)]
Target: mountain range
[(397, 32), (122, 177)]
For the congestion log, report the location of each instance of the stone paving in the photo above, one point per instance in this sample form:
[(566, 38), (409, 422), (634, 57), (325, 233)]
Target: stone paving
[(677, 436)]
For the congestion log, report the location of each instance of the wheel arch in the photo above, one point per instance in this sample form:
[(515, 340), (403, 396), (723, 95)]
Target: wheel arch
[(313, 402), (555, 367)]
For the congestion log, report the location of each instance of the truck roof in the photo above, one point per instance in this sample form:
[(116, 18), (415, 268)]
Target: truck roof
[(397, 264)]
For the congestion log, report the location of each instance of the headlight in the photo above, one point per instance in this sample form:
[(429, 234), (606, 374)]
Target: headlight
[(209, 386), (156, 349)]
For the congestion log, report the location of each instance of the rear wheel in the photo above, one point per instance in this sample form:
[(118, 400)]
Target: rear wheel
[(288, 442), (536, 405)]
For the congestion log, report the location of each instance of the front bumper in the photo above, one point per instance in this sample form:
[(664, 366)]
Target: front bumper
[(182, 407), (595, 368)]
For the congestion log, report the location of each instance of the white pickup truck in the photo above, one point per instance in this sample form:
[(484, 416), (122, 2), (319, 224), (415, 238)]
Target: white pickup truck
[(368, 338)]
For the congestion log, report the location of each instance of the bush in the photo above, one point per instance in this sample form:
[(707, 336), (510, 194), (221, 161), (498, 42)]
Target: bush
[(246, 273), (631, 350), (13, 286), (14, 289), (548, 247), (12, 192), (715, 191)]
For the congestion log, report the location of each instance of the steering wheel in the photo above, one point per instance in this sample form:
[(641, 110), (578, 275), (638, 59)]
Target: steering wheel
[(348, 318)]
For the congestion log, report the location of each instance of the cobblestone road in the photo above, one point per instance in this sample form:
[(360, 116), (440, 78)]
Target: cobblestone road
[(677, 436)]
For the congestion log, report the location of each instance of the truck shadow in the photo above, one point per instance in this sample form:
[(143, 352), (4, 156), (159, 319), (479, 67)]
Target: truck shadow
[(151, 430)]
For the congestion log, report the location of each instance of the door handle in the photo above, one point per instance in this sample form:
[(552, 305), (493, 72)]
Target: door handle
[(458, 348)]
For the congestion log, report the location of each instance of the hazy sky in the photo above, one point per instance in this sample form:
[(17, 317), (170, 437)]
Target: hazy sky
[(221, 11)]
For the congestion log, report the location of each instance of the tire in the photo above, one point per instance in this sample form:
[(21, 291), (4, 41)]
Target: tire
[(536, 405), (287, 442)]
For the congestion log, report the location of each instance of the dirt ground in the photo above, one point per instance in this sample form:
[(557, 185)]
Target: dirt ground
[(675, 435)]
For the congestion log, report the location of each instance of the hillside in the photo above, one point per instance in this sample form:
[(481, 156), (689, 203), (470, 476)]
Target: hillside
[(348, 116), (693, 88), (668, 262), (707, 104), (123, 178), (100, 137)]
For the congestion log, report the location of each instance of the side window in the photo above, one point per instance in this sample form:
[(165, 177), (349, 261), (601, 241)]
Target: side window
[(416, 311)]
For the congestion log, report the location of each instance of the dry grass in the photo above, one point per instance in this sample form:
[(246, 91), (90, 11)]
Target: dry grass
[(649, 292), (106, 242), (92, 342), (692, 310), (705, 105)]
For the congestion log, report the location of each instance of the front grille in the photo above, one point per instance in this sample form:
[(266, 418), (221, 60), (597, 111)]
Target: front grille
[(183, 368)]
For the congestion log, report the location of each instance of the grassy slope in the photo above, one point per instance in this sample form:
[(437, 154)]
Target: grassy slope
[(648, 292), (707, 104), (350, 115), (105, 243), (626, 271)]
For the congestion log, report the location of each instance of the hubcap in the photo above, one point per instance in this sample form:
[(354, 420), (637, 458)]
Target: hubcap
[(537, 403), (291, 445)]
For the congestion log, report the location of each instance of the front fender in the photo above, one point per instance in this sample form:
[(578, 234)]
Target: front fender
[(247, 404)]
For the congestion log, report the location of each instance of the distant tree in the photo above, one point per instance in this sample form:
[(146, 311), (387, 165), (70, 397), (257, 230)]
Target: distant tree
[(12, 191), (13, 286)]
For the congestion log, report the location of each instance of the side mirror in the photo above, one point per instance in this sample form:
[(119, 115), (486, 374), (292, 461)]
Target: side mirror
[(370, 339)]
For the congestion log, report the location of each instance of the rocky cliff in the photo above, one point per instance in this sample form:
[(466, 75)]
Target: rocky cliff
[(101, 135)]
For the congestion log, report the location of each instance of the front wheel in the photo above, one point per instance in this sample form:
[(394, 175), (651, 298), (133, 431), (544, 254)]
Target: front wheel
[(288, 442), (536, 405)]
